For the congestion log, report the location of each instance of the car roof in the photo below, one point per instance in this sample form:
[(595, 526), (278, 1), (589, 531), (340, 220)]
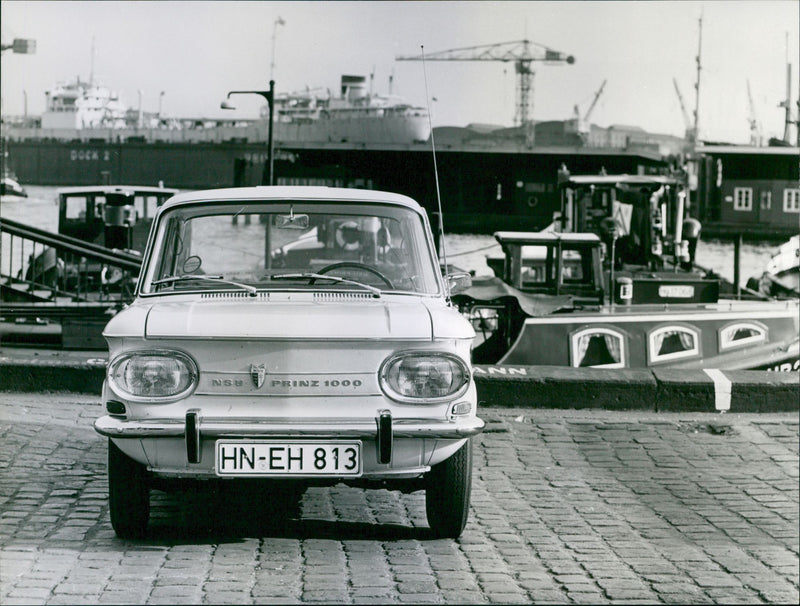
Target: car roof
[(292, 192)]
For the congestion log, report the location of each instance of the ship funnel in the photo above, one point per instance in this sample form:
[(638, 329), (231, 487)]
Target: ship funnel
[(354, 87)]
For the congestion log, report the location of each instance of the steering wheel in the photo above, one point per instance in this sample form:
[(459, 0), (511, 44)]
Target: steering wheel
[(354, 265)]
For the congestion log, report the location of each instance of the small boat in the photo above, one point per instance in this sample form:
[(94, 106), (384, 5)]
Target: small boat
[(115, 217), (781, 276), (9, 186), (623, 292)]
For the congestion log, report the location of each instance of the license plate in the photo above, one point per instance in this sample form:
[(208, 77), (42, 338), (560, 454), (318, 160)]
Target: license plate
[(287, 458)]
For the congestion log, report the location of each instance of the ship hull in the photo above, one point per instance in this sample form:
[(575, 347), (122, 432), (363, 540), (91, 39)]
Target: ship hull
[(388, 130), (480, 188)]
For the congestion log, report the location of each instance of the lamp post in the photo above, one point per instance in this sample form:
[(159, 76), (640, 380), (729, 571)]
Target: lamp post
[(269, 95)]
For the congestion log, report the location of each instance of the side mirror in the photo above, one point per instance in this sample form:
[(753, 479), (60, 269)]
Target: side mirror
[(458, 282)]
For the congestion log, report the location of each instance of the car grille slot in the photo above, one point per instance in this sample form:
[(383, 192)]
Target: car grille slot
[(336, 297), (264, 296)]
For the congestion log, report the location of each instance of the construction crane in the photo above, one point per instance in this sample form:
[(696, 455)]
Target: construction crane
[(755, 127), (522, 52), (583, 123), (689, 129)]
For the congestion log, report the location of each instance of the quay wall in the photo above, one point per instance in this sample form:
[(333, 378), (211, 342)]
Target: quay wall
[(661, 390)]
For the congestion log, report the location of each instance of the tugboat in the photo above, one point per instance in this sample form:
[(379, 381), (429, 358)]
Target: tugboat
[(622, 292)]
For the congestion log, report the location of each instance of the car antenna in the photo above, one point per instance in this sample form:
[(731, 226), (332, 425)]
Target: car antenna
[(436, 178)]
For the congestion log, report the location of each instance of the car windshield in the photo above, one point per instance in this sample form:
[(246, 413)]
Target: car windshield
[(291, 245)]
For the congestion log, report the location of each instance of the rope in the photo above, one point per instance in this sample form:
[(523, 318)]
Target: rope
[(469, 252)]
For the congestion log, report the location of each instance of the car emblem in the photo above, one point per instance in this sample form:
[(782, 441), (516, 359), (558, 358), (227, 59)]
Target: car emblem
[(258, 373)]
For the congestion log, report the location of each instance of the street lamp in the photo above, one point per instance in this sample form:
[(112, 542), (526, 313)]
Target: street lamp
[(269, 95), (21, 46), (278, 22)]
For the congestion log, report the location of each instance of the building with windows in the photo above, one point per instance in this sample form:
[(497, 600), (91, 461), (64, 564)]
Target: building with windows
[(752, 191)]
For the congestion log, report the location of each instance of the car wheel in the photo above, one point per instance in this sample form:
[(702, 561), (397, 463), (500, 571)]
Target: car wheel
[(128, 494), (447, 492)]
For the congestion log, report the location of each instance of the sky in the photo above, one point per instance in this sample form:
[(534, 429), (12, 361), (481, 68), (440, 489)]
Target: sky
[(195, 52)]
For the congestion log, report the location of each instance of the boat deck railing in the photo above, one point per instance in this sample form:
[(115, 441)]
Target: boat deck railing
[(54, 273)]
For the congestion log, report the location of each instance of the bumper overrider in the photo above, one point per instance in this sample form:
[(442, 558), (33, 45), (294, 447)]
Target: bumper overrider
[(383, 429)]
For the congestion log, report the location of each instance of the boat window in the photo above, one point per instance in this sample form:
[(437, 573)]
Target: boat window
[(278, 245), (76, 208), (534, 265), (743, 198), (598, 348), (574, 267), (673, 342), (740, 334), (791, 200)]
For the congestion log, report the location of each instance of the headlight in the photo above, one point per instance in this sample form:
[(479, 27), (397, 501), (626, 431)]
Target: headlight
[(424, 377), (152, 375)]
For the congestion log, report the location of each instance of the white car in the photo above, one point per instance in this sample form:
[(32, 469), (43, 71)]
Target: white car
[(300, 334)]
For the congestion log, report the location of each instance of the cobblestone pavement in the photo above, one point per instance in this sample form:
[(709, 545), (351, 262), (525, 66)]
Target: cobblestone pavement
[(568, 507)]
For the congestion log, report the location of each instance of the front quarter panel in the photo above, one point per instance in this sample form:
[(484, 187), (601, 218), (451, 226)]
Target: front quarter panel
[(130, 322)]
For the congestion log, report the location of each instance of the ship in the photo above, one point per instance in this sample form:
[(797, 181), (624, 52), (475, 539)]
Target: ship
[(79, 105), (89, 112), (355, 116)]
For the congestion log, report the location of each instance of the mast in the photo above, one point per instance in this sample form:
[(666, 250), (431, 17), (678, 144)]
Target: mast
[(697, 82), (787, 104)]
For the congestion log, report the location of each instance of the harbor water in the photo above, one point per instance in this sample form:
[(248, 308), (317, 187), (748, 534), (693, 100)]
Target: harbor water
[(466, 251)]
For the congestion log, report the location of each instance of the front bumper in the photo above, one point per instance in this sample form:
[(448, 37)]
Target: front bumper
[(399, 443), (212, 427)]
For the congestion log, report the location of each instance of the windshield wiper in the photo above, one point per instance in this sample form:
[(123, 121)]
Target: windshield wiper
[(252, 290), (373, 289)]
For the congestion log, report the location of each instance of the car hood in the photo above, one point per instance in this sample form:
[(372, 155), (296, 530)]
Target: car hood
[(248, 319)]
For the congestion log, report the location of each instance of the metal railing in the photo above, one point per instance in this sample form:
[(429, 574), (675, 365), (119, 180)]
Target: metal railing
[(38, 266)]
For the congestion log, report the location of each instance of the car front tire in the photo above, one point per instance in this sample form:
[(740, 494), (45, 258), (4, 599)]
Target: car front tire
[(447, 493), (128, 494)]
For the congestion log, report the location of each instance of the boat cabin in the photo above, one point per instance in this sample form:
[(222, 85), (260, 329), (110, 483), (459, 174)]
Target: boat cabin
[(115, 216), (642, 219), (551, 263)]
